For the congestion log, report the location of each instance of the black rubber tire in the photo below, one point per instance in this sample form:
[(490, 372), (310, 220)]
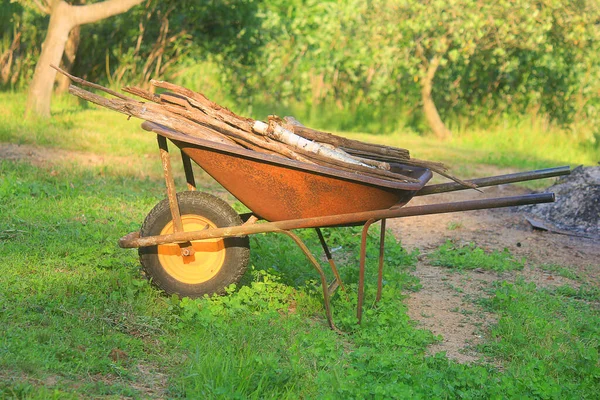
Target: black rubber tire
[(237, 249)]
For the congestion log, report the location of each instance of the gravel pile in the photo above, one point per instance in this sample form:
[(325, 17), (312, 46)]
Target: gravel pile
[(577, 207)]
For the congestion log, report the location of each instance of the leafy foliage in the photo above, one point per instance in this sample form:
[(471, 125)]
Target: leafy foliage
[(363, 62), (23, 31), (164, 37), (499, 57)]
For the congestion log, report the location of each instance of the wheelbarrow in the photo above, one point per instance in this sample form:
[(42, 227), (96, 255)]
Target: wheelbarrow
[(193, 243)]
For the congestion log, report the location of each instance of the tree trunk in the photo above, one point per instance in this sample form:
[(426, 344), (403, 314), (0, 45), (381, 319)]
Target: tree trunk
[(63, 18), (68, 60), (6, 60), (429, 109), (40, 90)]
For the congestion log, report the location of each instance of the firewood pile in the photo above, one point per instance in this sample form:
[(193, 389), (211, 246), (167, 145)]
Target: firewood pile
[(193, 114)]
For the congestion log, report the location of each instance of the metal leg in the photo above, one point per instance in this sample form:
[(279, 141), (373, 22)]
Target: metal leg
[(361, 272), (381, 251), (315, 264), (336, 274), (189, 172), (186, 248), (171, 191)]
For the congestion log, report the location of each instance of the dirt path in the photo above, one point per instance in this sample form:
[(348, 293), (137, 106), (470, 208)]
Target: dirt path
[(445, 304), (42, 156), (141, 166)]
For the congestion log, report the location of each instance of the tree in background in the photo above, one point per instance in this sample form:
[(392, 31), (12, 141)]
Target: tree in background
[(439, 34), (22, 31), (63, 19), (519, 53), (375, 66), (167, 39), (450, 57)]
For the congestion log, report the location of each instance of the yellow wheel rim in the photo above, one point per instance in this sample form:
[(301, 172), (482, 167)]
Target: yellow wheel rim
[(204, 264)]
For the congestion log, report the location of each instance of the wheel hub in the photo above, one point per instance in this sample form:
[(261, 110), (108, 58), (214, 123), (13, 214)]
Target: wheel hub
[(197, 261)]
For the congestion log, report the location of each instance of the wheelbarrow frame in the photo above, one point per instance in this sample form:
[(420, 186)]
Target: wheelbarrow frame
[(364, 218)]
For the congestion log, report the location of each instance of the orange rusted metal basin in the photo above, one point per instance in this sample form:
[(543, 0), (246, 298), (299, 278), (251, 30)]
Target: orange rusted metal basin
[(276, 188)]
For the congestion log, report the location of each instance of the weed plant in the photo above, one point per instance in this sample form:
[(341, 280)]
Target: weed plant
[(471, 257), (561, 271)]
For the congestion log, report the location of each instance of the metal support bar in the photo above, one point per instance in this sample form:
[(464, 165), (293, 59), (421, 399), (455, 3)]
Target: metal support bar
[(317, 266), (186, 247), (132, 240), (361, 270), (189, 172), (362, 262), (170, 183), (381, 252), (496, 180), (334, 269)]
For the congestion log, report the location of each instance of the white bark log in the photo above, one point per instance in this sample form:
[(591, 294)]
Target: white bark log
[(285, 136)]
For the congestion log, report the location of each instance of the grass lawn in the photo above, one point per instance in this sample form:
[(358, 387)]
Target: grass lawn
[(78, 319)]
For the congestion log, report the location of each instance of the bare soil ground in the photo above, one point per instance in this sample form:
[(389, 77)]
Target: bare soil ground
[(42, 156), (445, 303)]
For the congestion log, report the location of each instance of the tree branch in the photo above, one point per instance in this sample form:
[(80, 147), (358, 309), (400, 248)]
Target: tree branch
[(98, 11), (90, 84), (421, 53), (44, 6)]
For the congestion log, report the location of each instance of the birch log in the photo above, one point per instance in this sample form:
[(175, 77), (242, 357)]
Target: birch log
[(339, 141), (283, 135)]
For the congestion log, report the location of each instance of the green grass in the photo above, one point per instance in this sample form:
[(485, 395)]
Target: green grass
[(78, 320), (74, 126), (543, 336), (561, 271), (527, 145), (585, 292), (471, 257), (70, 298)]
